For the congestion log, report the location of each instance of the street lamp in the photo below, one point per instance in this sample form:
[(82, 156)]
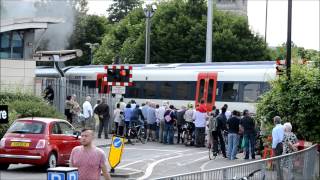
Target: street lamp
[(92, 46), (149, 10)]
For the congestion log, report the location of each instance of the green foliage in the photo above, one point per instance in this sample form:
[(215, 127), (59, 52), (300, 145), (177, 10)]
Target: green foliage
[(25, 105), (121, 8), (178, 34), (296, 101), (297, 53), (88, 29)]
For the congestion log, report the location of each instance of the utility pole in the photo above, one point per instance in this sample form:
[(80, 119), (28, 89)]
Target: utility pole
[(149, 10), (288, 58), (91, 46), (266, 23), (209, 57)]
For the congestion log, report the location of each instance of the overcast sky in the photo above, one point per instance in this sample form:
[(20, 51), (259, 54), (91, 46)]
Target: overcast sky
[(305, 20)]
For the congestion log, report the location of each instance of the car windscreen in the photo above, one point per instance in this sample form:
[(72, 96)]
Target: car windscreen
[(27, 127)]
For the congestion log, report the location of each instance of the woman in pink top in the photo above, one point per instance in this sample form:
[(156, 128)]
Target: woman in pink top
[(89, 159)]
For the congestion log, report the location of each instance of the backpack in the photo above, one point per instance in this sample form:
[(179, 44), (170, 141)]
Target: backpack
[(168, 117), (213, 124)]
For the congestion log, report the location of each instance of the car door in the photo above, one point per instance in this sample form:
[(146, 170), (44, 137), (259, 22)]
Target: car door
[(69, 141)]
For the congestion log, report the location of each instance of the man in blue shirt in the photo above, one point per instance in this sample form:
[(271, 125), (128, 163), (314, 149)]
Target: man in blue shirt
[(277, 136)]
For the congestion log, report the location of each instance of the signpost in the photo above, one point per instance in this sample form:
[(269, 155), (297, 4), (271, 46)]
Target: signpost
[(115, 152), (4, 118)]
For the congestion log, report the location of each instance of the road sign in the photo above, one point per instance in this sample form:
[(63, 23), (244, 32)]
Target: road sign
[(4, 114), (118, 89), (63, 173), (115, 152)]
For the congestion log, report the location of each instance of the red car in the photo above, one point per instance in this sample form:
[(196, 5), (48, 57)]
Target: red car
[(39, 141)]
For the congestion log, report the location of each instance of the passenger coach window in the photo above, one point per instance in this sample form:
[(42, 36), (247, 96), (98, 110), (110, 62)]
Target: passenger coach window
[(150, 90), (251, 92), (166, 90), (230, 91), (185, 90)]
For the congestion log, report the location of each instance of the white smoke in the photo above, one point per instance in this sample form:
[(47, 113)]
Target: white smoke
[(57, 35)]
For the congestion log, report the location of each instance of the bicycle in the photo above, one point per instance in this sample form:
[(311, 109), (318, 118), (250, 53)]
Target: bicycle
[(139, 132), (249, 176)]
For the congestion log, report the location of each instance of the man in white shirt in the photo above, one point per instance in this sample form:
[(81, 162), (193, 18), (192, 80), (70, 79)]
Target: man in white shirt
[(87, 112), (277, 136)]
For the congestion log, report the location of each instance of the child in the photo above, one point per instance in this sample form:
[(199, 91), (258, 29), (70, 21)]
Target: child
[(121, 124)]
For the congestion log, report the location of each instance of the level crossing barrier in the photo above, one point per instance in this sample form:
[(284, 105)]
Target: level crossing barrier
[(302, 165)]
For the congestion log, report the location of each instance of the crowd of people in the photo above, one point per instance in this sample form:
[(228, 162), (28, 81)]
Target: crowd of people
[(220, 127)]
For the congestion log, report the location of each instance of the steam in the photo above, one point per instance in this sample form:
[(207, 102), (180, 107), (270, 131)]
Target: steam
[(57, 35)]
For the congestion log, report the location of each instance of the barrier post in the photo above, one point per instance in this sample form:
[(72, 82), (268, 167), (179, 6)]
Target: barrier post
[(62, 173)]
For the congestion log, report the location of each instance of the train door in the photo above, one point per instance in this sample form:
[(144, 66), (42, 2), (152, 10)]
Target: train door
[(206, 89)]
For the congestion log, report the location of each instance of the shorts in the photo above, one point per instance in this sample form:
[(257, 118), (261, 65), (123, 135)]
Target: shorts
[(152, 126)]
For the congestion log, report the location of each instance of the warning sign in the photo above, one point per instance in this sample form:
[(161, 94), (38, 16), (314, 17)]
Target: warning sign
[(115, 151)]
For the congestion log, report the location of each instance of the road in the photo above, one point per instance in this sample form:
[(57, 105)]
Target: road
[(154, 159)]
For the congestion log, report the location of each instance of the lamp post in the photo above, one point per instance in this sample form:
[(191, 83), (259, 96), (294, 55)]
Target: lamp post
[(148, 10), (288, 61), (209, 56), (91, 46)]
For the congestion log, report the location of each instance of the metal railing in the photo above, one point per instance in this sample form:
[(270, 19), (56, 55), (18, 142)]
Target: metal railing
[(302, 165)]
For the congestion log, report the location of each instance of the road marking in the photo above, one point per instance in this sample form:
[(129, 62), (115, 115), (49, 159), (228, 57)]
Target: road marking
[(191, 162), (177, 151), (152, 165), (125, 165), (204, 165)]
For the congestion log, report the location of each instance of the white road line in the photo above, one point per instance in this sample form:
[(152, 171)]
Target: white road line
[(125, 165), (202, 167), (191, 162), (177, 151), (152, 165)]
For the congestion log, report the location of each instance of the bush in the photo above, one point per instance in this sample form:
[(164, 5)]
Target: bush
[(25, 105), (296, 101)]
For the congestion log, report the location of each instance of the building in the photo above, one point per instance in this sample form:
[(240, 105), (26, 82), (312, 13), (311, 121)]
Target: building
[(236, 6), (17, 46)]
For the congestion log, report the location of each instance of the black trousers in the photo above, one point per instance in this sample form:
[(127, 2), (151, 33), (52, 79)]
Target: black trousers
[(200, 136), (218, 138), (103, 125), (179, 132)]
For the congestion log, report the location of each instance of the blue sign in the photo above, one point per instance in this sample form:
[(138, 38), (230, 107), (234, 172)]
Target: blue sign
[(56, 176), (73, 175), (63, 173), (117, 142)]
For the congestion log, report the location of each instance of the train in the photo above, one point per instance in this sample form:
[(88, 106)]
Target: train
[(238, 84)]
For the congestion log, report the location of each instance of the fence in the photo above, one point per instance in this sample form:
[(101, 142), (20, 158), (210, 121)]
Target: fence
[(302, 165), (63, 88)]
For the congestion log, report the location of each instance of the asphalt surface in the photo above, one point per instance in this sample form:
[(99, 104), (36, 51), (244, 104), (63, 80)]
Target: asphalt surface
[(152, 160)]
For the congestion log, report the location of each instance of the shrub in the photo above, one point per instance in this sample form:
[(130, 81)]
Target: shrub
[(25, 105), (296, 101)]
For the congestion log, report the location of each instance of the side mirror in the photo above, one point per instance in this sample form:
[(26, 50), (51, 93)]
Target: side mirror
[(76, 133)]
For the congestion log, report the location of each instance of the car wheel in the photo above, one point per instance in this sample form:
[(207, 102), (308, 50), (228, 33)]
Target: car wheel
[(52, 161), (4, 166)]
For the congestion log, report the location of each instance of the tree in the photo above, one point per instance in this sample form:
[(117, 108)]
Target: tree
[(88, 29), (296, 101), (121, 8), (178, 35)]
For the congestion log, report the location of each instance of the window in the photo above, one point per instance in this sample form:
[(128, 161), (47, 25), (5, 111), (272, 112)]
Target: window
[(185, 90), (210, 89), (65, 128), (230, 91), (251, 92), (27, 127), (133, 91), (201, 90), (150, 90), (166, 90), (56, 129), (11, 45)]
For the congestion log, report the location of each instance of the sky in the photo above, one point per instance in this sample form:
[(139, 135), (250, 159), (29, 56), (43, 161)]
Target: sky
[(305, 20)]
